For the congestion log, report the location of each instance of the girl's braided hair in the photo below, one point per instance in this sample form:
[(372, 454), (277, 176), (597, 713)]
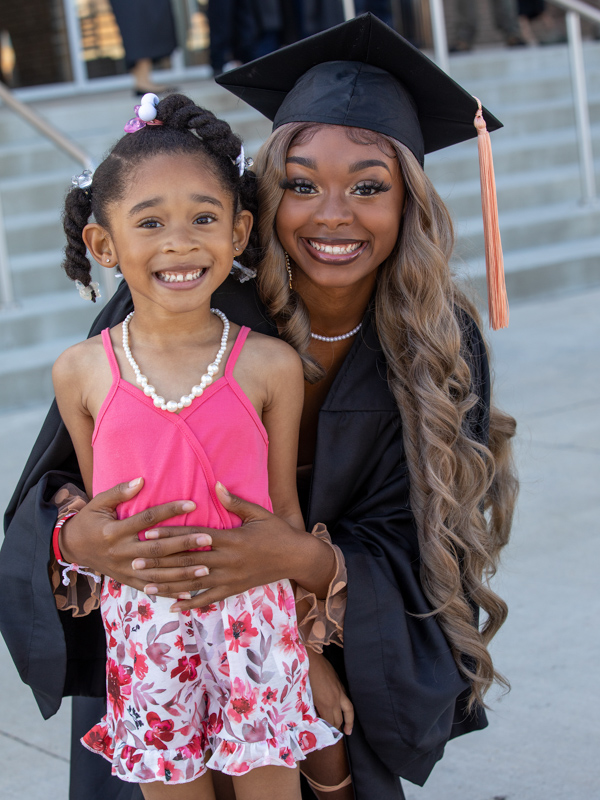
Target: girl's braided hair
[(186, 128)]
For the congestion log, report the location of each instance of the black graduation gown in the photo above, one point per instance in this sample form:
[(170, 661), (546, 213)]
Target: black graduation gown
[(408, 694), (147, 29)]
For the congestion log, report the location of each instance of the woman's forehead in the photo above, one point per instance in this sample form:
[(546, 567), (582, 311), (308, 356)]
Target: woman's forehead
[(341, 143)]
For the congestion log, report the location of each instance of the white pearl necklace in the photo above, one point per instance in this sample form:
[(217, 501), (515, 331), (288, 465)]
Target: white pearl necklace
[(205, 380), (337, 338)]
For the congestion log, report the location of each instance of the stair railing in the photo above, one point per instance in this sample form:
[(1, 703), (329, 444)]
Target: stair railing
[(575, 10), (57, 137)]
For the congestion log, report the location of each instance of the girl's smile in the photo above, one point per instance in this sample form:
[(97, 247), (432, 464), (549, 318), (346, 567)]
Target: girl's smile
[(181, 278)]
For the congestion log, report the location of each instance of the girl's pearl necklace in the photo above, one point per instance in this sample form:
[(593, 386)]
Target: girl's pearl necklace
[(337, 338), (205, 380)]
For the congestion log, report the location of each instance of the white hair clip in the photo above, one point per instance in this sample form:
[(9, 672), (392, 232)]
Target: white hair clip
[(83, 181), (241, 272), (91, 292), (240, 162)]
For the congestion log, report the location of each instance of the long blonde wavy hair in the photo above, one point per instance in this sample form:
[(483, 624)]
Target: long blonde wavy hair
[(462, 493)]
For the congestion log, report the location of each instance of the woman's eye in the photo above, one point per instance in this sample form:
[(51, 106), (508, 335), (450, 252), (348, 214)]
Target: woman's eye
[(370, 188), (299, 186)]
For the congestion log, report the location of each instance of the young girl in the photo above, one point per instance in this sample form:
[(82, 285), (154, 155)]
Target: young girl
[(186, 399)]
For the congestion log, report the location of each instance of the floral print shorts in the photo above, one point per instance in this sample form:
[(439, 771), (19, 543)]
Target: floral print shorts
[(222, 687)]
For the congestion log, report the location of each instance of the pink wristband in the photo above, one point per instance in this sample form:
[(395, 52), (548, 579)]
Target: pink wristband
[(58, 555)]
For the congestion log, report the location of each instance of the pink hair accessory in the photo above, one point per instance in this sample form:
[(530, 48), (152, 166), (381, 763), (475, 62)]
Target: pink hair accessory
[(145, 114)]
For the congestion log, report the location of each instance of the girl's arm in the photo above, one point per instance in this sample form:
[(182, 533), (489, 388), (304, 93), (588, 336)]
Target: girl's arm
[(67, 380), (281, 418)]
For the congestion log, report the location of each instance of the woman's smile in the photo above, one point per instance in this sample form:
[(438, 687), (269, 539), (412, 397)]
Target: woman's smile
[(334, 251)]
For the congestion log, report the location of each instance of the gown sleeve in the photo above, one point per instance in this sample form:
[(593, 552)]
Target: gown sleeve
[(408, 694)]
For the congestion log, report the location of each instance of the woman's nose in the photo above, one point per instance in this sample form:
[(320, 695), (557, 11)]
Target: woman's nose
[(332, 211)]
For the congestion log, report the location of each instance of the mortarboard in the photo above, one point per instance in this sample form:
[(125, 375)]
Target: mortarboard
[(363, 74), (360, 74)]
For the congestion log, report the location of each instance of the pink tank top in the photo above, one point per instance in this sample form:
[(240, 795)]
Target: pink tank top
[(219, 437)]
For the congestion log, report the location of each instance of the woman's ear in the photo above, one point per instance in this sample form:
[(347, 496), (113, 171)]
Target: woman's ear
[(242, 226), (98, 241)]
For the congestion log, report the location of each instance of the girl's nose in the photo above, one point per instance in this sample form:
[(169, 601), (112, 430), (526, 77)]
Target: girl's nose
[(332, 211), (180, 240)]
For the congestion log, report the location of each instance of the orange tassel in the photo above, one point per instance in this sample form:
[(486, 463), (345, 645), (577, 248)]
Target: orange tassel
[(494, 261)]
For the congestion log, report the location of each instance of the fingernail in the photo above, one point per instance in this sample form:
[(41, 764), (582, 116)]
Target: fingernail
[(152, 534), (200, 572), (184, 596), (138, 563), (188, 506), (204, 540), (134, 483), (222, 488), (150, 589), (174, 609)]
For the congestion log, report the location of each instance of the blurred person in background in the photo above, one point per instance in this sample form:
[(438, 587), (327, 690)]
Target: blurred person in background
[(506, 19), (31, 26), (541, 24), (148, 32)]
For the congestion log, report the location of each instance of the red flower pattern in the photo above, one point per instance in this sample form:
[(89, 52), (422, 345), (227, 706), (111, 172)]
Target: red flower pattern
[(177, 683), (118, 687), (240, 632), (187, 668)]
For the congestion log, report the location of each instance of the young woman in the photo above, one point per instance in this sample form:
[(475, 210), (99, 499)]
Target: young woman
[(401, 454)]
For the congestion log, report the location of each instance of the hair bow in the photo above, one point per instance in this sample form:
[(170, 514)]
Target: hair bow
[(145, 114)]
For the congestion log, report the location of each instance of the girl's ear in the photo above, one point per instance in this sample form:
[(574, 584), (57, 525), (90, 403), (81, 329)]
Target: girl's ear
[(242, 226), (98, 241)]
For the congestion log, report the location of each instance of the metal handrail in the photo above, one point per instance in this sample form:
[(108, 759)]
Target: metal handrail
[(46, 128), (575, 10), (57, 137)]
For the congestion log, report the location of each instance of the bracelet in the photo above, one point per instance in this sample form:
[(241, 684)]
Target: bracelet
[(58, 555)]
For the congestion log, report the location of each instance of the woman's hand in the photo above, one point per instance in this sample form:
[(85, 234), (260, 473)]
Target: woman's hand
[(263, 550), (95, 537), (331, 701)]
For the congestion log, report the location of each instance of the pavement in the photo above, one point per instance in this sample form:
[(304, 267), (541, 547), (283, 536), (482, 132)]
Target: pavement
[(542, 742)]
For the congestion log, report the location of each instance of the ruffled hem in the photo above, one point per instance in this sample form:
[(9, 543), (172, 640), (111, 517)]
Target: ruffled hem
[(229, 756), (321, 622), (81, 596)]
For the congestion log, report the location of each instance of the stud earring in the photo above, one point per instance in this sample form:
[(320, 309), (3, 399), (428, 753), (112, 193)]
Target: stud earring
[(236, 249), (288, 266), (108, 260)]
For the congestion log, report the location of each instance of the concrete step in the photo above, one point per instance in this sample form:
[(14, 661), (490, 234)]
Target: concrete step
[(500, 64), (28, 233), (102, 113), (522, 228), (38, 273), (26, 372), (512, 154), (519, 190), (29, 193), (41, 318), (546, 270)]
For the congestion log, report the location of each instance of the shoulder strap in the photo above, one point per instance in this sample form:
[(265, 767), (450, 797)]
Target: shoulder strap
[(110, 354), (237, 349)]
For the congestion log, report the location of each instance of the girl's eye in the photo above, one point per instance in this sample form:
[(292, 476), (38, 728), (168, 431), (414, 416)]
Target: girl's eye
[(149, 223), (370, 188), (299, 186), (204, 219)]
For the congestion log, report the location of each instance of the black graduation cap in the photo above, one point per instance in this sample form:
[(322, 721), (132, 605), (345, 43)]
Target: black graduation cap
[(361, 74)]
